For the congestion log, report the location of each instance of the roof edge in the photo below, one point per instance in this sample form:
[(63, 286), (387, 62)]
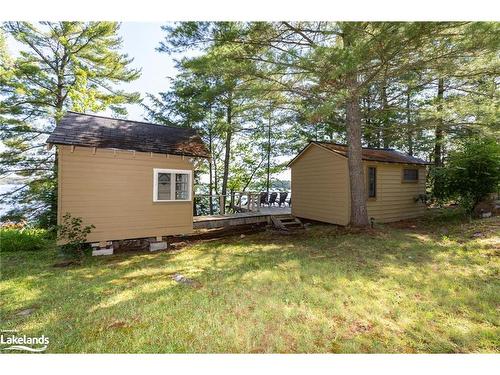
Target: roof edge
[(422, 162), (123, 149), (134, 121), (298, 155), (318, 143)]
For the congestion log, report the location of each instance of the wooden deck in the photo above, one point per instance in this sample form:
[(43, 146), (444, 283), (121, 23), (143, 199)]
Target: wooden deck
[(221, 221)]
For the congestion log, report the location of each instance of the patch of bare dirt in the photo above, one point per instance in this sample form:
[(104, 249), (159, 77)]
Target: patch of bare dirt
[(27, 312), (115, 324), (411, 224), (359, 328), (181, 279), (67, 263)]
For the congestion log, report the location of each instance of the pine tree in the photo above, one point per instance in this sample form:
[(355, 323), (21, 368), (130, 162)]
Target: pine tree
[(340, 65), (222, 85), (61, 66)]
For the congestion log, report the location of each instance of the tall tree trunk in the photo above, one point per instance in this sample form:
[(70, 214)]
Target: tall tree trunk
[(210, 170), (54, 192), (249, 180), (409, 130), (227, 151), (368, 130), (59, 105), (386, 136), (359, 213), (439, 132), (268, 182), (378, 135), (216, 176)]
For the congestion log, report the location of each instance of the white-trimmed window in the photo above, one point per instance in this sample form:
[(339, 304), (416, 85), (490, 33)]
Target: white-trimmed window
[(172, 185)]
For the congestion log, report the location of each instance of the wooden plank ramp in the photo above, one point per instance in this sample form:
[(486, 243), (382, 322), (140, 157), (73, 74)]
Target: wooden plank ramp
[(241, 218)]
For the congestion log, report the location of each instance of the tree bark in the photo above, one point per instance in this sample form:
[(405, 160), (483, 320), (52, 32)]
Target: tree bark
[(210, 170), (368, 133), (59, 105), (216, 175), (227, 151), (409, 131), (386, 137), (268, 182), (439, 132), (359, 213)]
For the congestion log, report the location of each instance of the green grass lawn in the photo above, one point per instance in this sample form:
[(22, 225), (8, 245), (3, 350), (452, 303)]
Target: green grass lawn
[(427, 287)]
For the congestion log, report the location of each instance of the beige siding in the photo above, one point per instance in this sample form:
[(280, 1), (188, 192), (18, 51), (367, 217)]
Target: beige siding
[(113, 190), (319, 190), (395, 199)]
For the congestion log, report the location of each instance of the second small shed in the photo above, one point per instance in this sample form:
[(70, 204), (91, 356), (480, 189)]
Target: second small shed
[(321, 188)]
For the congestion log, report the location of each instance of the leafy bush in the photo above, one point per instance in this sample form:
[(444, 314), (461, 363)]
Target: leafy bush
[(470, 174), (73, 233), (14, 238)]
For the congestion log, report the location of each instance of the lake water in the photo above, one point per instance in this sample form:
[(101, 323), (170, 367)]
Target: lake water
[(4, 207)]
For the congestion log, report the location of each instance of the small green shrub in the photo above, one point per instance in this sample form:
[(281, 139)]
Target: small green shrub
[(74, 234), (470, 174), (24, 239)]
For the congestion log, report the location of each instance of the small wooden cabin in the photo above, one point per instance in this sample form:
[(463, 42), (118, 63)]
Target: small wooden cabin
[(321, 191), (130, 179)]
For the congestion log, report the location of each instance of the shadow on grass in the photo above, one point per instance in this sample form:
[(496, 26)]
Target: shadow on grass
[(335, 286)]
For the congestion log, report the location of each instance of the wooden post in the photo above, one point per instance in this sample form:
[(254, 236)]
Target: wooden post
[(231, 204)]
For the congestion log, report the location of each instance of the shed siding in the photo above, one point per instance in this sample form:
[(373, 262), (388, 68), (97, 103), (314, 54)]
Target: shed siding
[(395, 199), (319, 190), (113, 190)]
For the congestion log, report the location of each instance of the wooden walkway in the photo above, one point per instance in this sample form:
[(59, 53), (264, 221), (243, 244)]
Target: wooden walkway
[(221, 221)]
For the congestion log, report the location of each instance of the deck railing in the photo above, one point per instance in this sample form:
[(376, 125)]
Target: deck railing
[(235, 201)]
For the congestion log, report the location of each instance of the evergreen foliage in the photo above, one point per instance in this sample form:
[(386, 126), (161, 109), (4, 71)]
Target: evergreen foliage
[(61, 66)]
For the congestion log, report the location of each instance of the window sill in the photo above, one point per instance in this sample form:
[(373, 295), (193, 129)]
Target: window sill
[(174, 201)]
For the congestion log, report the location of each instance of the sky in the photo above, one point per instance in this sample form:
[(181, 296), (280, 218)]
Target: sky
[(140, 40)]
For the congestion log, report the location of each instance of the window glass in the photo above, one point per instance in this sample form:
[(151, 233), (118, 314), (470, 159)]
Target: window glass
[(172, 185), (181, 186), (372, 182), (164, 186), (410, 175)]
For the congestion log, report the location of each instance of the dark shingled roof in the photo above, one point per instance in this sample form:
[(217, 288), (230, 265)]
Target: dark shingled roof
[(81, 129), (385, 155)]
